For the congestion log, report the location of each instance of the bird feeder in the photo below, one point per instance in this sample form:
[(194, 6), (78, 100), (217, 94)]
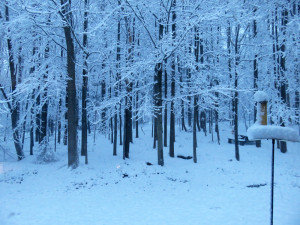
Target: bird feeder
[(260, 130), (262, 102)]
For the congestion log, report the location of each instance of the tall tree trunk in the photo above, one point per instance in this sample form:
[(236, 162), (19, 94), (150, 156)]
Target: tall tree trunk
[(84, 86), (255, 64), (283, 79), (166, 106), (172, 108), (44, 113), (158, 103), (120, 119), (38, 121), (103, 113), (71, 86), (118, 88), (65, 140), (231, 106), (137, 110), (236, 128), (59, 123), (195, 131), (217, 130), (14, 109), (128, 98), (154, 132)]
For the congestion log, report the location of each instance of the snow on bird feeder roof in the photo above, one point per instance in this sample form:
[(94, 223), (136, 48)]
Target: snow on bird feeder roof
[(260, 96), (257, 132), (260, 130)]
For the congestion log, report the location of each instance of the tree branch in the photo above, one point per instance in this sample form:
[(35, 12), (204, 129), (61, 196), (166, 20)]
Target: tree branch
[(5, 97)]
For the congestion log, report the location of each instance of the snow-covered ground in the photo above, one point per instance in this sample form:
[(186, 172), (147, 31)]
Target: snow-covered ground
[(111, 191)]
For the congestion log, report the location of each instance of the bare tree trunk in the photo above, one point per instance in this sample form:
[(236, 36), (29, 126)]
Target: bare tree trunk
[(38, 121), (120, 119), (217, 118), (44, 114), (14, 108), (59, 122), (128, 98), (31, 127), (194, 131), (158, 111), (154, 132), (137, 117), (172, 113), (73, 160), (255, 65), (84, 87), (166, 107), (65, 140), (283, 80), (231, 106), (158, 103), (236, 128), (117, 87)]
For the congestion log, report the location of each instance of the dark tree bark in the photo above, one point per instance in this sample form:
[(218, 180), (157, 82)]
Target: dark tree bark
[(217, 117), (255, 64), (103, 93), (154, 126), (127, 129), (283, 80), (166, 106), (128, 98), (84, 86), (38, 121), (71, 87), (59, 122), (14, 108), (158, 103), (65, 139), (231, 106), (115, 134), (32, 69), (236, 99), (117, 88), (195, 131), (189, 104), (31, 126), (44, 113), (137, 108), (120, 119), (195, 104), (158, 111), (172, 112)]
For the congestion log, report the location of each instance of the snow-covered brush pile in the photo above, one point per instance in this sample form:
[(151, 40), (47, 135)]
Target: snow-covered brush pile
[(46, 154)]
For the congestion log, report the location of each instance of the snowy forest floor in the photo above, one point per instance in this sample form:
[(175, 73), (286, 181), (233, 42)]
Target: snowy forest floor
[(110, 191)]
